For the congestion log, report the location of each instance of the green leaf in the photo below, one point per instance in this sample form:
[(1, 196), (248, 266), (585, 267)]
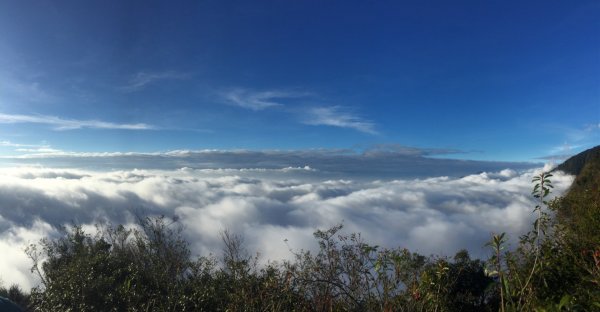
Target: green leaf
[(566, 299), (506, 285), (377, 266)]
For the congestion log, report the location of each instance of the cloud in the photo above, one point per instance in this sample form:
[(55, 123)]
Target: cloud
[(555, 157), (15, 265), (70, 124), (335, 116), (24, 89), (379, 162), (592, 127), (19, 145), (259, 100), (141, 80), (39, 150), (430, 215), (397, 149), (575, 140)]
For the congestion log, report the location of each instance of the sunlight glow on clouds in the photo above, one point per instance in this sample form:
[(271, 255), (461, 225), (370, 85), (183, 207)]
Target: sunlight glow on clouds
[(266, 206), (14, 264)]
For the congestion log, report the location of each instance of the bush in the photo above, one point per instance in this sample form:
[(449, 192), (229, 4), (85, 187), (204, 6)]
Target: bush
[(15, 294)]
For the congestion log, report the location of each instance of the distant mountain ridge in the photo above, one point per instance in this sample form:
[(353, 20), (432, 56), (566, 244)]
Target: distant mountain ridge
[(586, 168), (575, 164)]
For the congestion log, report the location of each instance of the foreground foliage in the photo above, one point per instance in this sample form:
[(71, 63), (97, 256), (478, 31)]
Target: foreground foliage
[(149, 269), (556, 266)]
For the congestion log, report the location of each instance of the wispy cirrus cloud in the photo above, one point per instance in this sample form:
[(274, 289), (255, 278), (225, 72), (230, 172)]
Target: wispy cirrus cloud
[(37, 149), (336, 116), (259, 100), (70, 124), (6, 143), (140, 80), (575, 141), (24, 88), (592, 127)]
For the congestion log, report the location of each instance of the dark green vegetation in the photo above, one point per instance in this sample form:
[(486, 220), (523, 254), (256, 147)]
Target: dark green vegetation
[(555, 267), (575, 164), (11, 298)]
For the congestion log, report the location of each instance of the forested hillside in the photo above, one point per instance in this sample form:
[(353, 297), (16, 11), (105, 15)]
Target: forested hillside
[(576, 164)]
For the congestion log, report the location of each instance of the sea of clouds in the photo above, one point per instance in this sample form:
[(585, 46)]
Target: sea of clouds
[(274, 209)]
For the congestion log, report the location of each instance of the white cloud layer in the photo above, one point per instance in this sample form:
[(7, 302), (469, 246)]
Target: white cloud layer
[(432, 215), (70, 124)]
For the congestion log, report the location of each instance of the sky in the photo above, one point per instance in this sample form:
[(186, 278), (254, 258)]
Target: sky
[(418, 124), (488, 80)]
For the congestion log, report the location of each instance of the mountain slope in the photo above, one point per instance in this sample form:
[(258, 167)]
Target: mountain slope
[(571, 258), (580, 207), (575, 164)]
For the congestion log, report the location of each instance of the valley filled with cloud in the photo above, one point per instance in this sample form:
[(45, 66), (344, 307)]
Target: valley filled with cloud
[(275, 208)]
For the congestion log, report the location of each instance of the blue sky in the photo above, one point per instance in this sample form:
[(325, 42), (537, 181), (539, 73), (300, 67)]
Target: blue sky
[(487, 80)]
